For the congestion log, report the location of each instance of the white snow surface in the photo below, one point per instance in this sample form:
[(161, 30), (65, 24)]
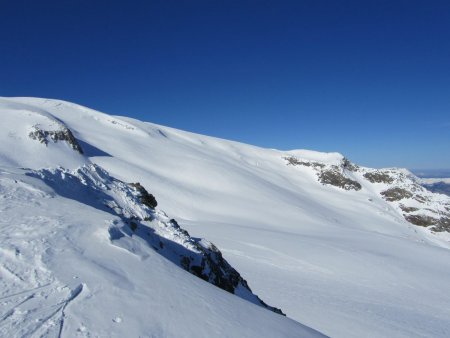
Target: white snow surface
[(345, 263)]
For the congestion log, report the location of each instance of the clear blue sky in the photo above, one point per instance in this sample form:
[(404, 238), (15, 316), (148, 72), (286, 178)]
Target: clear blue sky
[(370, 79)]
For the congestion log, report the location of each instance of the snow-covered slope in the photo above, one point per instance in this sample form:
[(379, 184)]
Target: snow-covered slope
[(85, 254), (71, 268), (323, 239)]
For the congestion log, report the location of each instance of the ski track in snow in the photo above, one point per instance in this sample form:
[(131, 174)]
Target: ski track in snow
[(32, 301)]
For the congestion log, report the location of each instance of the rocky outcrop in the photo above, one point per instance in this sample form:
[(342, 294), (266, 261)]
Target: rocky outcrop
[(291, 160), (436, 224), (378, 177), (421, 220), (335, 177), (396, 194), (330, 174), (214, 269), (408, 209), (63, 134), (347, 165), (145, 197)]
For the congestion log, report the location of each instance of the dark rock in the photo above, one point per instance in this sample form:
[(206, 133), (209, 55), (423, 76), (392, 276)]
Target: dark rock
[(378, 177), (347, 165), (396, 194), (420, 198), (175, 224), (63, 134), (197, 270), (443, 224), (214, 269), (439, 224), (408, 209), (334, 177), (145, 197), (133, 226), (295, 161), (421, 220)]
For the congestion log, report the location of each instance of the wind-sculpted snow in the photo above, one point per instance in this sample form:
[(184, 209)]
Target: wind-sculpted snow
[(72, 267), (93, 186)]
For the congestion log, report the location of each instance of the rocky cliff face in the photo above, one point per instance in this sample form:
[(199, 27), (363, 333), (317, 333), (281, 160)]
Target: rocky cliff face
[(398, 187)]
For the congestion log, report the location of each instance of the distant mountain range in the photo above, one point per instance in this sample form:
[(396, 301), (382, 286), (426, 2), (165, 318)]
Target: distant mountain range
[(435, 180)]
